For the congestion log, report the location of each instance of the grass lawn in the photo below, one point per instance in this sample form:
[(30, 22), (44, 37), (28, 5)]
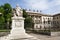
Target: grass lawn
[(5, 30)]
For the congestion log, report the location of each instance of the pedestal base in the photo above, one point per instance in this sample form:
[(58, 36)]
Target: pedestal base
[(31, 38), (18, 33)]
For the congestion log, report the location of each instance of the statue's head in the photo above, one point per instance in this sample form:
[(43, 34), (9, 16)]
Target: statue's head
[(18, 7)]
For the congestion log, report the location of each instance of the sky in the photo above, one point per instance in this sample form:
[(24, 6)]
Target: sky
[(46, 6)]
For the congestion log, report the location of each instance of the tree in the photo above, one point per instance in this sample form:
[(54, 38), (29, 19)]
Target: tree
[(28, 22), (1, 9), (25, 15), (1, 14), (7, 8), (2, 20), (7, 14)]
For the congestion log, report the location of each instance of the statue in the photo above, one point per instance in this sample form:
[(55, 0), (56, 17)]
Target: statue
[(17, 11)]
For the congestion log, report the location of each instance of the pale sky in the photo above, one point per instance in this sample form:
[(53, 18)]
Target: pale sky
[(47, 6)]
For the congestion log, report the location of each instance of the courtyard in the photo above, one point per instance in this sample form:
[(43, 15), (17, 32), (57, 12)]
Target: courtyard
[(45, 37)]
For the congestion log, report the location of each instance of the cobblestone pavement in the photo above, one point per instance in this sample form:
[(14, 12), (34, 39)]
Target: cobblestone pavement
[(45, 37)]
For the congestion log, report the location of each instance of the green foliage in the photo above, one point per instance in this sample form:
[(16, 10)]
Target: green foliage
[(1, 9), (2, 19), (5, 17), (25, 15), (28, 22), (7, 8), (4, 30), (8, 16)]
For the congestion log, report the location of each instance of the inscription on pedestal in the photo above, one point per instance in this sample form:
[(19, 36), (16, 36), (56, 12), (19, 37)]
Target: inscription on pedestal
[(18, 23)]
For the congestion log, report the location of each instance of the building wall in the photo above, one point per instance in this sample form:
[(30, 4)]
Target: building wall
[(56, 20), (47, 21), (39, 19)]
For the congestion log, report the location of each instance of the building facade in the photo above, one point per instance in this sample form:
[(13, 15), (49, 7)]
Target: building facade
[(41, 21), (56, 20)]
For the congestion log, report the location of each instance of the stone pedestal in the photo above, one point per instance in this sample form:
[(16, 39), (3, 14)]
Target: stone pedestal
[(18, 31)]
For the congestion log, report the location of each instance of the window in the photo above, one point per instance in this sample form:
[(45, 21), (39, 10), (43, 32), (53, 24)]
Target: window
[(44, 21), (48, 18), (48, 22), (57, 17), (40, 27), (36, 26)]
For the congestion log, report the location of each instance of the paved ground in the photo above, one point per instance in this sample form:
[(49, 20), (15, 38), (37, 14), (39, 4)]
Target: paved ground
[(28, 37), (44, 37)]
